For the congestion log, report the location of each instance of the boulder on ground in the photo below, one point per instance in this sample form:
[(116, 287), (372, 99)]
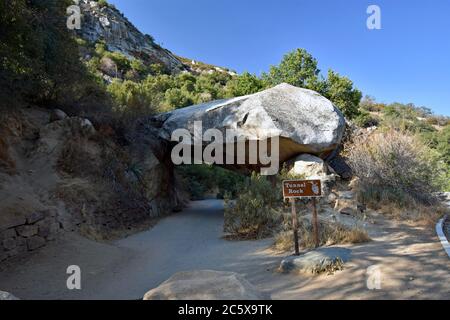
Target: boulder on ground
[(341, 168), (205, 285), (347, 203), (305, 121), (317, 261), (7, 296), (57, 115), (309, 166)]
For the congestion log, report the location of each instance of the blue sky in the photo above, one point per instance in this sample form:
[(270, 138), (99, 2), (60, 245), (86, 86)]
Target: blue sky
[(407, 61)]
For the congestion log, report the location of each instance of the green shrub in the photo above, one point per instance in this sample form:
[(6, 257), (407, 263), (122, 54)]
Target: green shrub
[(256, 212), (365, 120), (102, 3), (243, 85), (40, 61), (202, 179)]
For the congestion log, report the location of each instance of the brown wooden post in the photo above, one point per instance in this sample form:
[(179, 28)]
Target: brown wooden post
[(295, 227), (315, 224)]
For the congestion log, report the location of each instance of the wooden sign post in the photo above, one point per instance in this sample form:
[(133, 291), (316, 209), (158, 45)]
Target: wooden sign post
[(294, 189)]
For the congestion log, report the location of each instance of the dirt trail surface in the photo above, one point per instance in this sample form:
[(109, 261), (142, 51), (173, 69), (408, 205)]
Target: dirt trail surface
[(412, 263)]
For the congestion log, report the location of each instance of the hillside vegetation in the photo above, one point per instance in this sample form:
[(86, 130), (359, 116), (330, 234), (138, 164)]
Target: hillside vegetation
[(44, 64)]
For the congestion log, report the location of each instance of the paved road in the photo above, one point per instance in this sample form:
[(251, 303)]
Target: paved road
[(411, 260), (128, 268)]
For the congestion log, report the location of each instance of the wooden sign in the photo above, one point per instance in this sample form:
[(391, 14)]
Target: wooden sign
[(294, 189), (302, 188)]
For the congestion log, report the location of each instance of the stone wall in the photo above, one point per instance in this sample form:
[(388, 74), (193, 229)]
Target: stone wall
[(21, 234)]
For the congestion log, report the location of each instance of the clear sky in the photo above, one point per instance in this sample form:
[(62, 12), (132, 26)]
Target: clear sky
[(408, 60)]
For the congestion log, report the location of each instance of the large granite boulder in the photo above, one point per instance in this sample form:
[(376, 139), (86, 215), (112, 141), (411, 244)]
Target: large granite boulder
[(205, 285), (305, 121)]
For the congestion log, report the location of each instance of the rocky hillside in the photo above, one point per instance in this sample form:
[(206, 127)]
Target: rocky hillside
[(106, 23), (60, 174)]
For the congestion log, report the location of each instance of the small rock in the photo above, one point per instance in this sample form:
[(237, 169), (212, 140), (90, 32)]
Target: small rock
[(35, 243), (353, 183), (27, 231), (346, 206), (319, 260), (332, 197), (47, 228), (57, 115), (34, 217), (7, 296), (10, 233), (88, 127), (346, 194), (9, 244)]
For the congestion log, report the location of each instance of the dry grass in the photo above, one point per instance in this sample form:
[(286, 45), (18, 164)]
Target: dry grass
[(394, 168), (80, 157), (329, 234), (421, 215)]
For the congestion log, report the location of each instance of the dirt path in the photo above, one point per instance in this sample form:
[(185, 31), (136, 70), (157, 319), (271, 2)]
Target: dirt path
[(412, 262)]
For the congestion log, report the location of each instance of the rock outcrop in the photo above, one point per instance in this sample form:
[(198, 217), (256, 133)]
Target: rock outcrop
[(205, 285), (305, 121), (106, 23)]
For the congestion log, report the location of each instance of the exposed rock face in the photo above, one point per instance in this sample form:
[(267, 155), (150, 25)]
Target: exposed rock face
[(305, 121), (205, 285), (108, 24), (73, 178)]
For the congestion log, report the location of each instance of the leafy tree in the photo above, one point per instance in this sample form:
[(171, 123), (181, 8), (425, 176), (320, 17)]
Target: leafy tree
[(365, 119), (341, 92), (298, 68), (243, 85), (39, 56), (177, 98)]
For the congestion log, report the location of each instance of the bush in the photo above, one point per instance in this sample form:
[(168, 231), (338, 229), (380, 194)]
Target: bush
[(255, 213), (244, 84), (102, 3), (368, 103), (202, 179), (366, 120), (395, 167)]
